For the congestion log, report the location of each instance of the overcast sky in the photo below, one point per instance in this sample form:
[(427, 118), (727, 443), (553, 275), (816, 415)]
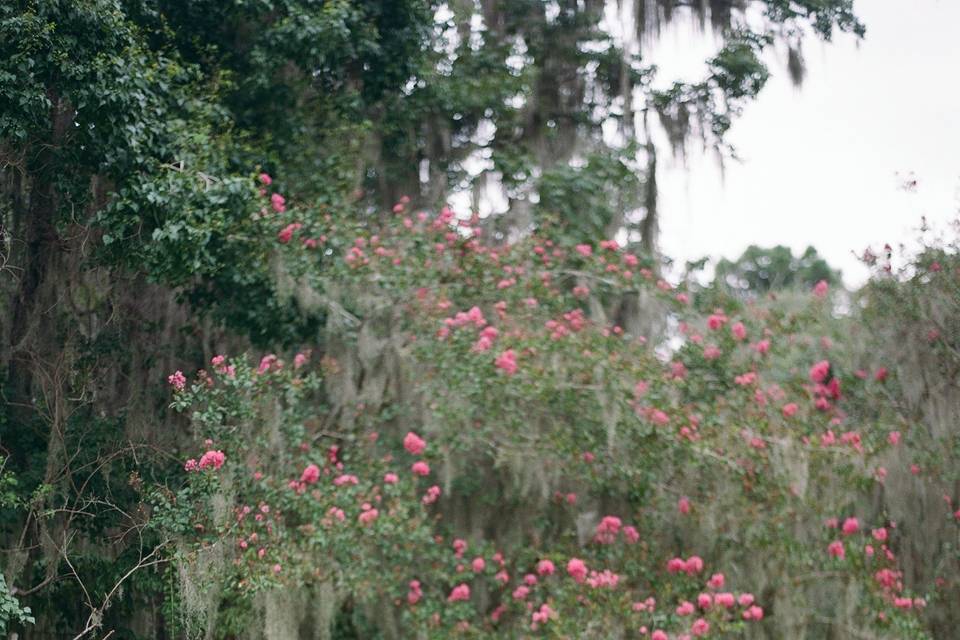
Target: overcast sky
[(820, 163)]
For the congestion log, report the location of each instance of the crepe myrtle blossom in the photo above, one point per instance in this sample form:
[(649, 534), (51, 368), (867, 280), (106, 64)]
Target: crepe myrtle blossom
[(420, 468), (541, 616), (507, 361), (607, 530), (212, 460), (850, 526), (700, 627), (835, 549), (286, 234), (177, 380), (738, 330), (725, 600), (310, 475), (368, 515), (459, 593), (819, 371), (433, 493), (415, 592), (414, 444), (577, 569)]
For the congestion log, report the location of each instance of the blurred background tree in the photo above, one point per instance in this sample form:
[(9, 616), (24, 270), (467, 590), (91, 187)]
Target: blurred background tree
[(761, 270)]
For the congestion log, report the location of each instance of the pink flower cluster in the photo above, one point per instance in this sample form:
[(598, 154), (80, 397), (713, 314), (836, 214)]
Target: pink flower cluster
[(691, 566), (209, 460)]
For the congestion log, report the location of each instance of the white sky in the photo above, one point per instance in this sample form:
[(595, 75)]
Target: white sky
[(820, 164)]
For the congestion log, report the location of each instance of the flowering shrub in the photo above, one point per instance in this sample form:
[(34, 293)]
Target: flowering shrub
[(507, 439)]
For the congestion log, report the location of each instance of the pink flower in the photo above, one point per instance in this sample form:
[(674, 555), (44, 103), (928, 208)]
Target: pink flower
[(790, 409), (415, 592), (521, 592), (753, 613), (311, 474), (725, 600), (284, 235), (265, 179), (820, 289), (214, 459), (368, 516), (432, 494), (507, 361), (894, 438), (459, 593), (584, 250), (659, 635), (683, 505), (545, 568), (478, 565), (420, 468), (658, 417), (819, 371), (390, 478), (711, 352), (738, 330), (414, 443), (544, 614), (191, 465), (850, 526), (630, 534), (836, 550), (268, 362), (278, 202), (704, 601), (716, 581), (577, 569), (607, 530), (880, 534), (745, 599), (693, 565), (675, 565), (685, 608), (177, 380), (700, 627), (716, 321)]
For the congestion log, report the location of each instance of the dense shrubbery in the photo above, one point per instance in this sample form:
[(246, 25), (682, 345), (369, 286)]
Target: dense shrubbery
[(529, 465)]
